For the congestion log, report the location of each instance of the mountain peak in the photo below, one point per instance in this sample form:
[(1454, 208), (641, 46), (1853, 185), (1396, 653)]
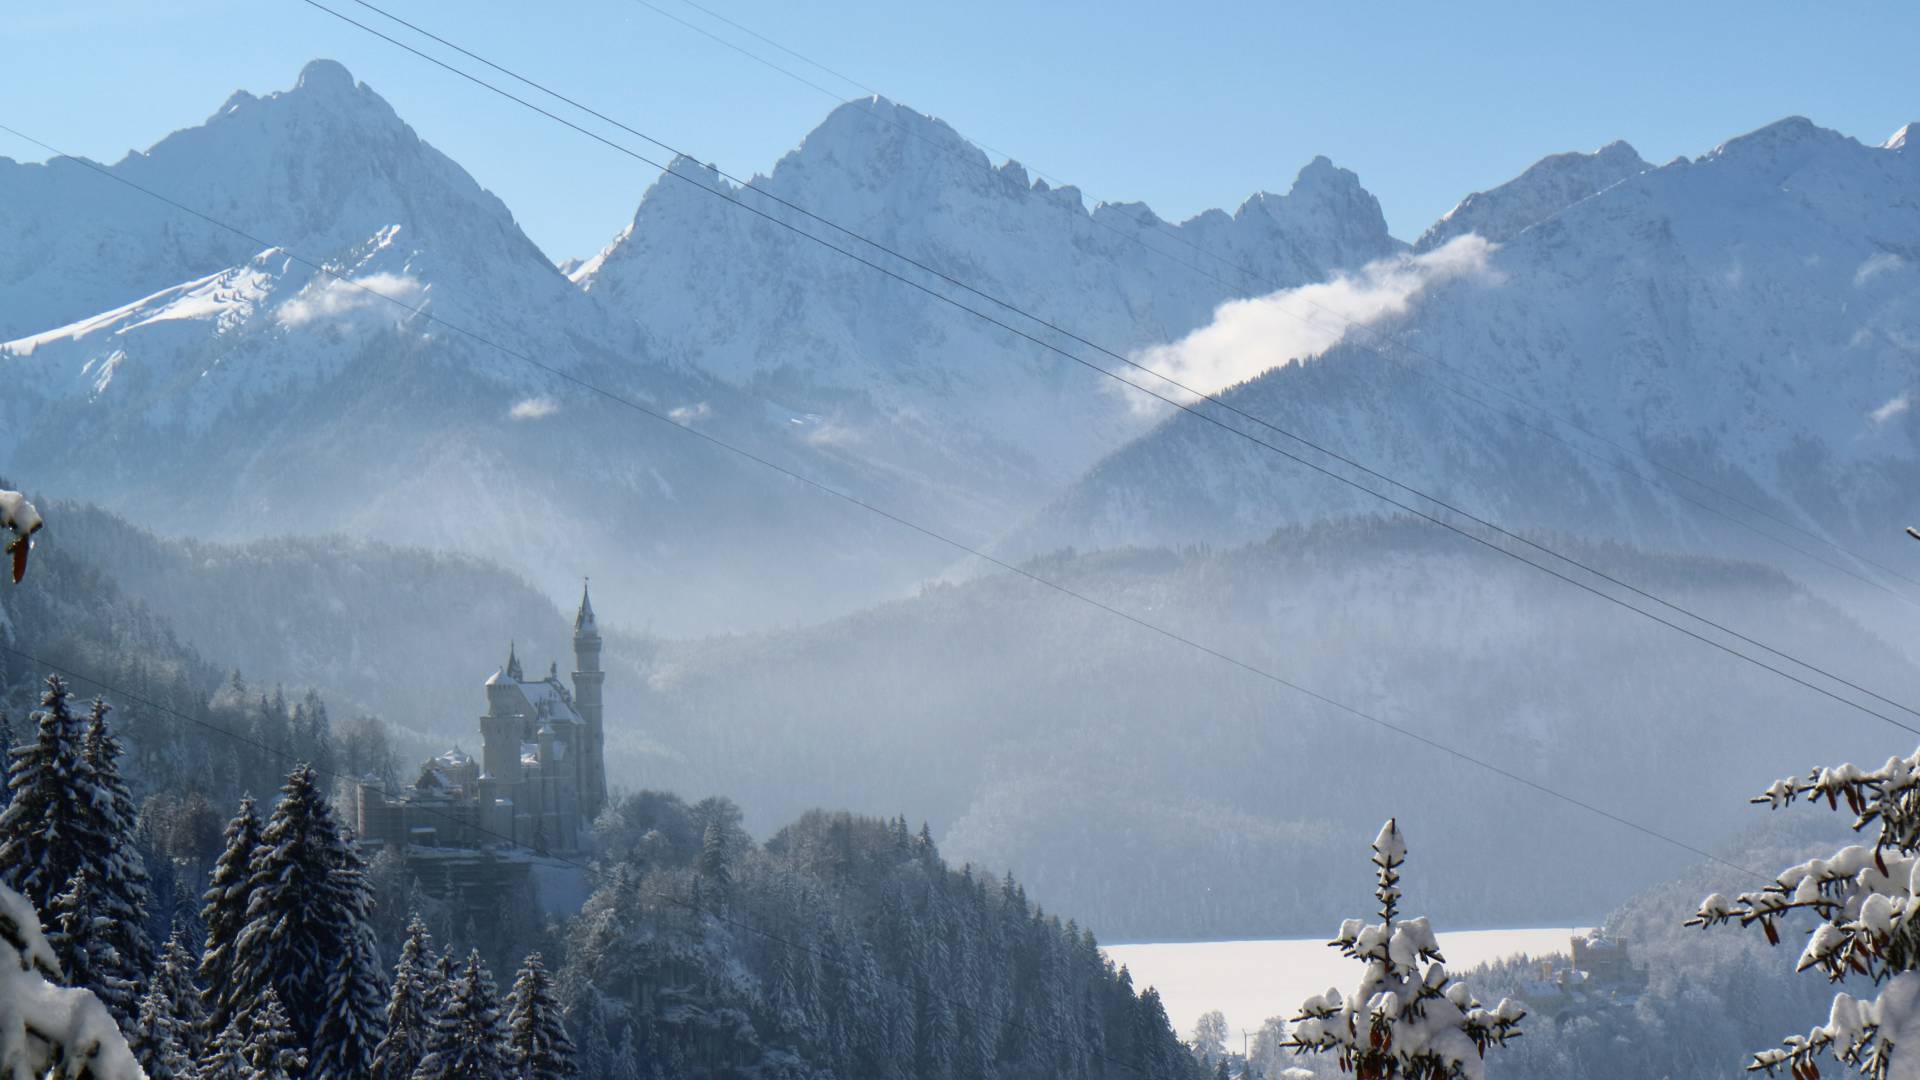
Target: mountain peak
[(325, 76), (876, 134), (1904, 138), (1549, 186), (1788, 137)]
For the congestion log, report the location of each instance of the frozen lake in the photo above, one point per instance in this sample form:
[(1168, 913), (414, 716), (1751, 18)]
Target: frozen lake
[(1252, 980)]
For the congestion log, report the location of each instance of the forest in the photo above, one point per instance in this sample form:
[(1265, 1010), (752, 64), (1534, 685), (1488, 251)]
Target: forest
[(211, 895)]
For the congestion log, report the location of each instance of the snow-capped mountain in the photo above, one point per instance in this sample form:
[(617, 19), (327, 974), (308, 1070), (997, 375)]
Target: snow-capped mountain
[(1750, 318), (222, 384), (735, 294), (250, 393)]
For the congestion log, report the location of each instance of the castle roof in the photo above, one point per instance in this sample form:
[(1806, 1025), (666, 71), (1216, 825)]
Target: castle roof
[(583, 624), (544, 700)]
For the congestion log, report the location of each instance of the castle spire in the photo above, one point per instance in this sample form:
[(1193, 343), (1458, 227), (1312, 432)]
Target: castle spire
[(513, 662), (583, 619)]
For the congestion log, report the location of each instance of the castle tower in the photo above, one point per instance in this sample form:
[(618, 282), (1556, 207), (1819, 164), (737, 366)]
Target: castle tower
[(502, 726), (587, 682)]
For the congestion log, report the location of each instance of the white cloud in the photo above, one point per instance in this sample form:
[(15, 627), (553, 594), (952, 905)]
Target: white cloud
[(1250, 337), (1883, 263), (686, 414), (1891, 409), (533, 408), (334, 297)]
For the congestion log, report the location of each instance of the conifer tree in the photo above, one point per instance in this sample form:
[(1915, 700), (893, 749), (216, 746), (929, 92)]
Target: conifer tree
[(355, 1019), (226, 1053), (1865, 898), (410, 1009), (156, 1038), (537, 1044), (42, 839), (306, 935), (166, 1034), (1409, 1019), (118, 868), (224, 913), (716, 879), (467, 1043), (81, 939), (174, 979), (272, 1052), (446, 972)]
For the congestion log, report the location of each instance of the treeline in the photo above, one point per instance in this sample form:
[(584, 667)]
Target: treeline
[(843, 947)]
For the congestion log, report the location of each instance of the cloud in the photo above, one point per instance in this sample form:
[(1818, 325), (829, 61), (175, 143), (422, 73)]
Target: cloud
[(533, 408), (1250, 337), (1891, 409), (1883, 263), (687, 414), (333, 297)]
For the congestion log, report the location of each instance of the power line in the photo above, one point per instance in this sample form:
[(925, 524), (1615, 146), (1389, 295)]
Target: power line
[(1178, 404), (1151, 221), (586, 868), (1054, 586)]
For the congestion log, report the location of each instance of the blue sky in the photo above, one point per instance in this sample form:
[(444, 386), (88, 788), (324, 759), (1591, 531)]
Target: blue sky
[(1183, 106)]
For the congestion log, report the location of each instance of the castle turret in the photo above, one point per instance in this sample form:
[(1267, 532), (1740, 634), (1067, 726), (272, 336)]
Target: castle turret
[(502, 726), (587, 682)]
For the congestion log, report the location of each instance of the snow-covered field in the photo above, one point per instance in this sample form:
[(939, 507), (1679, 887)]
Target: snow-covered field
[(1252, 980)]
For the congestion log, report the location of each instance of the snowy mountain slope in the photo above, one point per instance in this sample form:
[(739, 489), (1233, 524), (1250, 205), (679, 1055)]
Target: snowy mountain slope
[(1549, 186), (262, 397), (1750, 317), (736, 295), (319, 167)]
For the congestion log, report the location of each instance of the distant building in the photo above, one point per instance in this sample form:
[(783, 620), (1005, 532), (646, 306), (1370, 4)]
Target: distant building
[(1599, 975), (541, 778)]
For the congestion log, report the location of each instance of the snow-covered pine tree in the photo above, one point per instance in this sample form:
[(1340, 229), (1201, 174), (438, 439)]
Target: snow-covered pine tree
[(355, 1018), (440, 980), (410, 1009), (224, 913), (306, 935), (272, 1051), (82, 940), (1864, 897), (118, 868), (48, 1030), (173, 978), (468, 1043), (42, 843), (537, 1044), (156, 1038), (1409, 1019), (715, 884), (226, 1054)]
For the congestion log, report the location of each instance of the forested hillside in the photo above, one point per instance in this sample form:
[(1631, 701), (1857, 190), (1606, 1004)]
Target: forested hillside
[(1212, 793), (842, 947)]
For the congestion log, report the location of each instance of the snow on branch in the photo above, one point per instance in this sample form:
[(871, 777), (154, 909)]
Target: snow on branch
[(1410, 1019), (1864, 897), (47, 1030)]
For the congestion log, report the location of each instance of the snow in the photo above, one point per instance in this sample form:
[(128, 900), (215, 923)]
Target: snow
[(1253, 980), (1704, 313), (37, 1016)]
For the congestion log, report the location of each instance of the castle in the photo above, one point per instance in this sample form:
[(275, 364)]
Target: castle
[(541, 778)]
